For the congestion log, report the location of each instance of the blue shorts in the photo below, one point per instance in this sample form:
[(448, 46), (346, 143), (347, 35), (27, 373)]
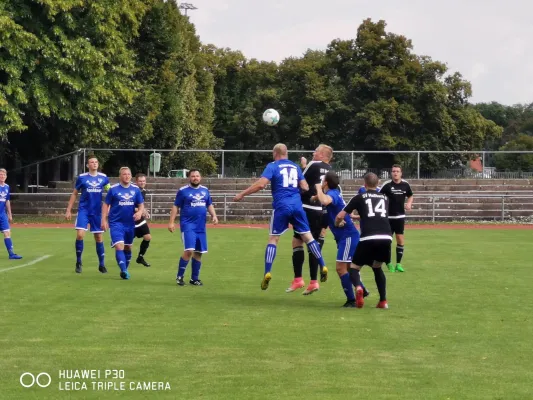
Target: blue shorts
[(285, 215), (346, 248), (194, 241), (82, 220), (121, 234), (4, 223)]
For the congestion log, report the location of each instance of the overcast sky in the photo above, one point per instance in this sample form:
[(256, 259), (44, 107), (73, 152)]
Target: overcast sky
[(489, 41)]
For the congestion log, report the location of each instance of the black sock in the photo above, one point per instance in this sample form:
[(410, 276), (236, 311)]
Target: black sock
[(355, 277), (144, 247), (381, 283), (298, 257), (399, 254), (313, 267), (320, 241)]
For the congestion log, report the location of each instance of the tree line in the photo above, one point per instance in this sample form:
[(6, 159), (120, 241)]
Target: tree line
[(134, 74)]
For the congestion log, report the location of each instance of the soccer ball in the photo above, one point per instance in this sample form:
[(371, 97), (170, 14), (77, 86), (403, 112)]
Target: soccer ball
[(271, 117)]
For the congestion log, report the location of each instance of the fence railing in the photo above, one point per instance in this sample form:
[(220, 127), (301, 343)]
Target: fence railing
[(426, 207)]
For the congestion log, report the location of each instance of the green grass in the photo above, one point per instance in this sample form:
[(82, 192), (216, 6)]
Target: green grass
[(459, 326)]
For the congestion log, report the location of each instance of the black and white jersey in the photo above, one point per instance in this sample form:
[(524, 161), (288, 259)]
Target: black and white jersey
[(372, 208), (314, 173), (142, 221), (397, 193)]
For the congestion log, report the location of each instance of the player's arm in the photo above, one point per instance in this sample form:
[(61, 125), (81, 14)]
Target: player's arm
[(349, 209), (212, 212), (173, 215), (71, 201), (302, 182), (260, 184), (410, 199), (139, 213), (323, 198), (105, 213), (8, 211)]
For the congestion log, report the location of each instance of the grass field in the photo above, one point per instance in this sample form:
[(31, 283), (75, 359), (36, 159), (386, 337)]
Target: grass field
[(459, 326)]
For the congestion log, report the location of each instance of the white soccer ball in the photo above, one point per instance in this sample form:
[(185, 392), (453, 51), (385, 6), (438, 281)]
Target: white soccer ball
[(271, 117)]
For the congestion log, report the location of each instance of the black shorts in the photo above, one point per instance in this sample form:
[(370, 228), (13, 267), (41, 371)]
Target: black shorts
[(325, 223), (142, 230), (314, 218), (368, 251), (397, 226)]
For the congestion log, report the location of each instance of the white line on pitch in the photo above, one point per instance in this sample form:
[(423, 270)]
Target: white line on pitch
[(27, 264)]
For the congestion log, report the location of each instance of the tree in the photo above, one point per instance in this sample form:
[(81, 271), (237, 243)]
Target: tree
[(516, 162)]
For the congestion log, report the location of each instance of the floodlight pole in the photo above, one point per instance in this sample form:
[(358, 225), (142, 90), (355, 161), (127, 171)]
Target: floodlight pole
[(187, 7)]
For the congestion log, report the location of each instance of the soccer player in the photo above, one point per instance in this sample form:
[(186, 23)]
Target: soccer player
[(313, 173), (142, 230), (346, 236), (91, 186), (5, 215), (123, 205), (194, 202), (376, 237), (397, 190), (286, 180)]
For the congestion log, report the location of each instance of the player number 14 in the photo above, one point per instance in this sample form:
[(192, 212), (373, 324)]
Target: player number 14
[(380, 208), (290, 177)]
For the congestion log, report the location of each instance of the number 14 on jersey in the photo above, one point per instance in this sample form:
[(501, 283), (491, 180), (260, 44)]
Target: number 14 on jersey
[(290, 177)]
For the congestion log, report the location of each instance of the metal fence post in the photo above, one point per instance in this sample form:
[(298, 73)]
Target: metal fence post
[(153, 160), (223, 169), (433, 210), (37, 186), (503, 208), (483, 165), (351, 170), (151, 204), (225, 205), (418, 166)]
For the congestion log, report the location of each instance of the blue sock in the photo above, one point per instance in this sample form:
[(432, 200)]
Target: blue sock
[(9, 246), (79, 250), (127, 254), (347, 286), (182, 266), (121, 260), (100, 251), (314, 248), (270, 254), (196, 265)]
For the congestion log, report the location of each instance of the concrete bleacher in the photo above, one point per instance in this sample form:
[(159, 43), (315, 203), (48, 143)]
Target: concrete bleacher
[(435, 199)]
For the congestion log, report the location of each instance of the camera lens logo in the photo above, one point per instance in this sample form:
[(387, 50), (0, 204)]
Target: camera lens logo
[(27, 379)]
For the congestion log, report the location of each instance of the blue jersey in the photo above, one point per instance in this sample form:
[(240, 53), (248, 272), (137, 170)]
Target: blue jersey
[(362, 190), (284, 177), (193, 203), (5, 195), (91, 188), (333, 209), (123, 201)]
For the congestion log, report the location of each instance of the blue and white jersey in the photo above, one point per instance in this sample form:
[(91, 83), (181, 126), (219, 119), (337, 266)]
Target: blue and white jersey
[(333, 209), (284, 177), (362, 190), (91, 188), (123, 201), (193, 203), (5, 195)]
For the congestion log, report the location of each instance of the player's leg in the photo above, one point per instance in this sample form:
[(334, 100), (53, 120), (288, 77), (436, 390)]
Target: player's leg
[(342, 264), (200, 248), (117, 234), (359, 259), (129, 236), (82, 221), (189, 242), (299, 221), (400, 242), (143, 232), (6, 231), (279, 223), (96, 230), (393, 227), (298, 257), (382, 254), (314, 219)]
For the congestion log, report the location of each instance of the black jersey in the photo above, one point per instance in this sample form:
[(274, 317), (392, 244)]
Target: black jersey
[(397, 193), (314, 173), (142, 220), (372, 208)]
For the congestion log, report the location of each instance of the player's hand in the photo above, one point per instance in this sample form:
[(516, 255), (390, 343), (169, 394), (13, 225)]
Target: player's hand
[(171, 227), (105, 226), (137, 216), (314, 198), (238, 198), (215, 220), (303, 162), (68, 215), (10, 218), (146, 214), (408, 207)]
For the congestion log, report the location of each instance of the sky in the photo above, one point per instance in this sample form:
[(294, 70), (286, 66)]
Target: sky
[(490, 42)]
